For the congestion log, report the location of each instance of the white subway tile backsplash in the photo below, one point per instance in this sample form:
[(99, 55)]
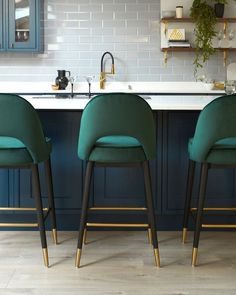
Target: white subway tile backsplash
[(137, 23), (78, 32), (102, 15), (89, 8), (127, 32), (136, 7), (114, 7), (90, 24), (114, 23), (102, 32), (125, 15)]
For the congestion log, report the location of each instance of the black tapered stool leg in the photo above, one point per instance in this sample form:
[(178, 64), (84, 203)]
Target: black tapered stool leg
[(151, 213), (189, 190), (83, 217), (40, 216), (202, 194), (48, 173)]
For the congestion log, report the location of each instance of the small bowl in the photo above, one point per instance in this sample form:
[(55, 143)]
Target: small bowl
[(55, 87), (219, 86), (168, 13), (209, 85)]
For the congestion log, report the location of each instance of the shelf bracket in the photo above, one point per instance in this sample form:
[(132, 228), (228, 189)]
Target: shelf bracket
[(165, 57), (225, 28), (165, 27)]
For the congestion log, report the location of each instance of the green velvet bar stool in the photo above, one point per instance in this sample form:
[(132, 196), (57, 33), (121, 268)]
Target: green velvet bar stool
[(213, 146), (23, 145), (117, 129)]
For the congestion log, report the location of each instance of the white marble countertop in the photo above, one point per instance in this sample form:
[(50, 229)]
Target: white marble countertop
[(157, 102), (162, 95), (133, 87)]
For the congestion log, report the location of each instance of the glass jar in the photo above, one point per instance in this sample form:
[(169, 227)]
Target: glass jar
[(179, 11)]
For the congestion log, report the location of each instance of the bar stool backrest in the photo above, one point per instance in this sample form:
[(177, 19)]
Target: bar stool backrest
[(117, 114), (18, 119), (217, 121)]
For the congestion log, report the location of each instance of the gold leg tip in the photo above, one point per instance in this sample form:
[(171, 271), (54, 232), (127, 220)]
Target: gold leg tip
[(78, 256), (157, 257), (194, 257), (54, 235), (184, 237), (149, 236), (85, 237), (45, 257)]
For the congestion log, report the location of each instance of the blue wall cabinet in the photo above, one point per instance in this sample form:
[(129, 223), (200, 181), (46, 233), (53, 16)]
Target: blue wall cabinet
[(22, 25)]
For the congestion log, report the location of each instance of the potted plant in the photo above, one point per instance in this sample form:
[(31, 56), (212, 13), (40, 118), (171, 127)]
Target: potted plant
[(205, 21), (205, 17)]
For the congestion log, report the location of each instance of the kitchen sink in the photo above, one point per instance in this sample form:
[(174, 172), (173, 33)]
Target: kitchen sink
[(62, 96), (76, 96)]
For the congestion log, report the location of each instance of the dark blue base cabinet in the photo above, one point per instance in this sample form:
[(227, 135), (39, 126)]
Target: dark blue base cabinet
[(118, 186)]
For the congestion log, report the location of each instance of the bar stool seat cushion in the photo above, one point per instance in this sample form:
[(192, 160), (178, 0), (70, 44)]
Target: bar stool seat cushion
[(117, 149), (222, 152), (13, 152)]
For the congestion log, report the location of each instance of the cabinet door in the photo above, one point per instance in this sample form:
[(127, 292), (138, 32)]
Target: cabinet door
[(1, 25), (178, 127), (21, 29)]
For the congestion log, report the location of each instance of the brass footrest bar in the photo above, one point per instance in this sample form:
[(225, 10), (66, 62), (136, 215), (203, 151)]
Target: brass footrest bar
[(117, 208), (219, 225), (20, 209), (215, 209), (19, 225), (118, 225)]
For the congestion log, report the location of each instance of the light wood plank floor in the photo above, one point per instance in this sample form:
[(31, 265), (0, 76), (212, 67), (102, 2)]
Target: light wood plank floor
[(117, 263)]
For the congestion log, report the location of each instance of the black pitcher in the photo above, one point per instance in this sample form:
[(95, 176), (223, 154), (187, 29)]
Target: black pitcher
[(61, 79)]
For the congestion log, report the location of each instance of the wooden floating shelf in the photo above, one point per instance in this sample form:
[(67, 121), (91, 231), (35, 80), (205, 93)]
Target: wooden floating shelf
[(190, 20), (166, 20), (179, 49), (191, 49), (170, 49)]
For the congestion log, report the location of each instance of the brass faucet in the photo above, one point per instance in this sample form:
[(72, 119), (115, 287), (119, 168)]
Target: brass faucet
[(103, 73)]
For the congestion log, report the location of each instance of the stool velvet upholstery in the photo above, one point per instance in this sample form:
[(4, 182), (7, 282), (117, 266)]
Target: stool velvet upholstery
[(117, 129), (124, 117), (23, 145), (213, 146)]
